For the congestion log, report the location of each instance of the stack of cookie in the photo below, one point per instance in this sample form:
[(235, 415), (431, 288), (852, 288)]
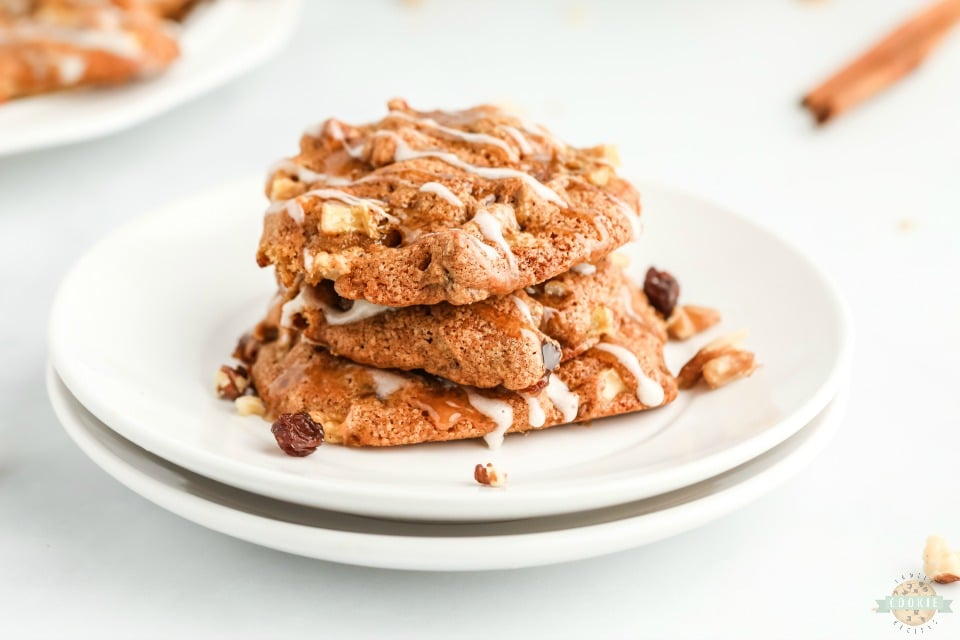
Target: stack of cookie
[(449, 275)]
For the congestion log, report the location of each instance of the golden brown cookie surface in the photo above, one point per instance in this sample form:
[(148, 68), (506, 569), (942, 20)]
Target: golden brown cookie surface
[(511, 341), (425, 207)]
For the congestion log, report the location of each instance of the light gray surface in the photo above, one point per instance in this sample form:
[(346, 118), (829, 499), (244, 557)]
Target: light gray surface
[(697, 95)]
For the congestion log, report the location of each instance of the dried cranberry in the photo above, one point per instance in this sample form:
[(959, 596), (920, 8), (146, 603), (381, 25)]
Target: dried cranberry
[(662, 291), (297, 434)]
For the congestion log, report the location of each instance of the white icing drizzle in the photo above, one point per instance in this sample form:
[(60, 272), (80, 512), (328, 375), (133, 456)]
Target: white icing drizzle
[(535, 414), (627, 298), (360, 310), (336, 132), (488, 251), (307, 260), (295, 211), (307, 176), (113, 41), (566, 401), (632, 217), (519, 138), (403, 153), (70, 69), (530, 290), (385, 383), (466, 136), (441, 190), (524, 310), (492, 230), (336, 194), (497, 410), (585, 269), (648, 392), (289, 309)]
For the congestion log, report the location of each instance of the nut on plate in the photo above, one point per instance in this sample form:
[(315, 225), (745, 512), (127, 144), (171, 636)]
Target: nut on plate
[(232, 382), (689, 320), (250, 406), (720, 362), (940, 562), (489, 475)]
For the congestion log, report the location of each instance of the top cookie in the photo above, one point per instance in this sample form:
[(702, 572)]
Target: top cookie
[(426, 207)]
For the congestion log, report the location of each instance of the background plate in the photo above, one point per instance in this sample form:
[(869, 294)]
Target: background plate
[(220, 41), (143, 321)]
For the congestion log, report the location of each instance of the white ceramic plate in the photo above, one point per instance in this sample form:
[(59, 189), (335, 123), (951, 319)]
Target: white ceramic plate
[(143, 321), (220, 41), (338, 537)]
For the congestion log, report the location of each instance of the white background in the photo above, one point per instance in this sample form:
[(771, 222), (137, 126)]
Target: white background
[(696, 94)]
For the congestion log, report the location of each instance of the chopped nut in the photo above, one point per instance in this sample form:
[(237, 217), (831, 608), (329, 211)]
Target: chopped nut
[(728, 367), (607, 152), (489, 475), (552, 354), (600, 176), (250, 406), (662, 290), (330, 266), (297, 434), (689, 320), (232, 382), (602, 322), (940, 563), (619, 260), (338, 217), (692, 371), (285, 188), (611, 385), (554, 288)]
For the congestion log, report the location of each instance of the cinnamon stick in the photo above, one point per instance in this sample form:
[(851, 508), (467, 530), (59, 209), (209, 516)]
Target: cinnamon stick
[(885, 63)]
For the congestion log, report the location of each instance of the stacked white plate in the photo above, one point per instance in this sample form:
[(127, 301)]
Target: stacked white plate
[(147, 316)]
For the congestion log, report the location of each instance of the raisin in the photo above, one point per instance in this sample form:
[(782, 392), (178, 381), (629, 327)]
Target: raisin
[(662, 291), (297, 434), (537, 386)]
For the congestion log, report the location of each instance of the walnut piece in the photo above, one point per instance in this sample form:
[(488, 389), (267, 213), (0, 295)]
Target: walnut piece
[(689, 320), (232, 382), (611, 385), (602, 322), (728, 367), (732, 362), (338, 217), (555, 289), (940, 562), (489, 475), (250, 406)]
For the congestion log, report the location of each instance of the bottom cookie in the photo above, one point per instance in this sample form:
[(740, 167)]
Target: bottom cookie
[(361, 406)]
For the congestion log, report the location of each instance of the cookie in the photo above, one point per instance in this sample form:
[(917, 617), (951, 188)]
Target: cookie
[(428, 207), (364, 406), (511, 341), (50, 45)]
